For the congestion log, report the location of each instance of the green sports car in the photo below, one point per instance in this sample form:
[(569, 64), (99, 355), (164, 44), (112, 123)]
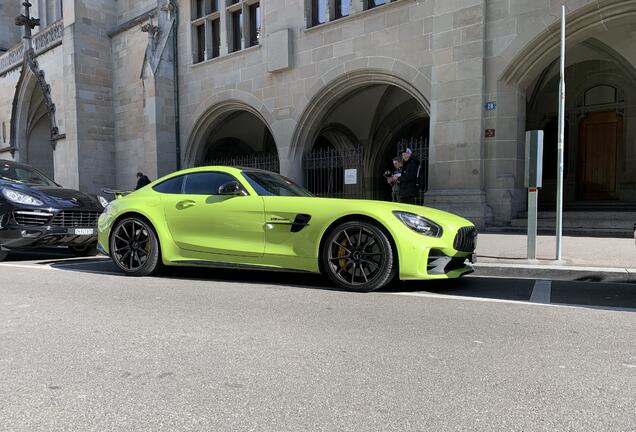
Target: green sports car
[(247, 218)]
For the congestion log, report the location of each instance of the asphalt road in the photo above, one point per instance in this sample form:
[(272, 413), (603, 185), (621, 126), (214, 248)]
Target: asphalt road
[(83, 348)]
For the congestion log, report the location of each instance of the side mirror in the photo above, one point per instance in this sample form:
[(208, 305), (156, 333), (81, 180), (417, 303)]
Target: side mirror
[(232, 188)]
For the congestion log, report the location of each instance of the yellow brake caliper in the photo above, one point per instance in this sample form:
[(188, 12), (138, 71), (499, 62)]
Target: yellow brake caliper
[(341, 253)]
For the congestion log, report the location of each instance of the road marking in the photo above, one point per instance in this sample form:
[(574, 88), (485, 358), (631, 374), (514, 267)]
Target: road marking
[(541, 292), (517, 302), (50, 267), (629, 365)]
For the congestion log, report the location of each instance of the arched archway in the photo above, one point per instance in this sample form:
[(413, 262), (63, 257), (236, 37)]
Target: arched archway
[(600, 154), (378, 112), (232, 133), (32, 129)]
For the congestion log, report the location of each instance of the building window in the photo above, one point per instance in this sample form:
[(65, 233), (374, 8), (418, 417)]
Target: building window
[(255, 24), (319, 12), (342, 8), (199, 42), (242, 21), (236, 30), (4, 133), (375, 3), (216, 37), (206, 26)]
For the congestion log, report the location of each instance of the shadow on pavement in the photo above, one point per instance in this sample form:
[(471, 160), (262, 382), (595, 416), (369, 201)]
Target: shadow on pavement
[(576, 293)]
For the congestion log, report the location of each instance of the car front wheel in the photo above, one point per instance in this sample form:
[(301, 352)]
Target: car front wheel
[(134, 247), (358, 256)]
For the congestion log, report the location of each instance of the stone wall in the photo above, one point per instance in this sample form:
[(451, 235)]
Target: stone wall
[(10, 35)]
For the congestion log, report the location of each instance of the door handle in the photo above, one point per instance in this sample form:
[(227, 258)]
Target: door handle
[(185, 204)]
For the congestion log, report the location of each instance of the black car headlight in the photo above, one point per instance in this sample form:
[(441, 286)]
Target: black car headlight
[(21, 198), (419, 224)]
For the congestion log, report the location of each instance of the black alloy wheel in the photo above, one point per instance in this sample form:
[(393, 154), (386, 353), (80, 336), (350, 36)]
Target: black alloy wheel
[(134, 247), (358, 256)]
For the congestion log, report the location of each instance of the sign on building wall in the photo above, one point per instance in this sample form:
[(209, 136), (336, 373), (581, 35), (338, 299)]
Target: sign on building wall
[(351, 176), (490, 106)]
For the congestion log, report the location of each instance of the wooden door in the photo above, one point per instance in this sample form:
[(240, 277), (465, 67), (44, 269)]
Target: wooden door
[(600, 141)]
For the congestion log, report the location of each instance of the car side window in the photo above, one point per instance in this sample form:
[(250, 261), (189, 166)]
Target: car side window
[(206, 183), (170, 186)]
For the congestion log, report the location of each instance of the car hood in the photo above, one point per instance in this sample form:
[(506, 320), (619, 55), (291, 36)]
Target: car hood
[(58, 197)]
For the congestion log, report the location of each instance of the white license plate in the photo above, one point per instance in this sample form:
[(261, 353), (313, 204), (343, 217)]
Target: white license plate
[(83, 231)]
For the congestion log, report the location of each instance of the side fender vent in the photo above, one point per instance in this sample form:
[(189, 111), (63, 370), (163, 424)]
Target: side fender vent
[(300, 222)]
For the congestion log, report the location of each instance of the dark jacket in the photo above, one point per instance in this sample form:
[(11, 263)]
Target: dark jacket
[(143, 181), (408, 180)]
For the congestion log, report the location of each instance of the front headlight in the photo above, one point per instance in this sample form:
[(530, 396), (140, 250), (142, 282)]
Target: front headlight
[(21, 198), (108, 208), (103, 201), (419, 224)]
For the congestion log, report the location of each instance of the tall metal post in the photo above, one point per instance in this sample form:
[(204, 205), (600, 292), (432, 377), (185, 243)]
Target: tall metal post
[(561, 144)]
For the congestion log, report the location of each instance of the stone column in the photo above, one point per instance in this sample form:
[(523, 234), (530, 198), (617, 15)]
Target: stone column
[(456, 176), (89, 143)]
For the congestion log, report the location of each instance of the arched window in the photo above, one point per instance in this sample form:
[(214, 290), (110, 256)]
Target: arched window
[(601, 95)]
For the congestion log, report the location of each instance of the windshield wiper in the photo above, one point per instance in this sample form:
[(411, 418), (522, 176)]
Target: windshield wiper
[(11, 180)]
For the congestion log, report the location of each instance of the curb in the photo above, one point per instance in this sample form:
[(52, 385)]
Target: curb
[(555, 272)]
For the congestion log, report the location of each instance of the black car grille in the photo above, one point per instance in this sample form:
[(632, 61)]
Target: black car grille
[(75, 219), (26, 217), (465, 240)]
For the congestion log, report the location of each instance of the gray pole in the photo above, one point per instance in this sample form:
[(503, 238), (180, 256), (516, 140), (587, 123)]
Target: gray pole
[(561, 144)]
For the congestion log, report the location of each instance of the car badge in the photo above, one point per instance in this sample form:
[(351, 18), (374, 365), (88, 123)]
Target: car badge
[(74, 200)]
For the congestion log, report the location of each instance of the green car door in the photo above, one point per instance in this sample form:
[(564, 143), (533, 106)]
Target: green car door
[(202, 219)]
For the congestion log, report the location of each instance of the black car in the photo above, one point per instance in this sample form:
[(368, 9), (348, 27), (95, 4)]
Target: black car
[(35, 212)]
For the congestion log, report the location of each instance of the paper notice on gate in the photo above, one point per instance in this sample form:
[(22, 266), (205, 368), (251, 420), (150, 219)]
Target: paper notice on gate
[(351, 176)]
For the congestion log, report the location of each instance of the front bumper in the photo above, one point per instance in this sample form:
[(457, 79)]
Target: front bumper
[(12, 237), (447, 257)]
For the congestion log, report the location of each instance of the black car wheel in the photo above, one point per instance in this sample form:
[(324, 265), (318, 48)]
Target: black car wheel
[(84, 251), (3, 255), (134, 247), (358, 256)]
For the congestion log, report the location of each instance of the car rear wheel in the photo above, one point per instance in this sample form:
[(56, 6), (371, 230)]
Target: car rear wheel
[(134, 247), (83, 251), (358, 256)]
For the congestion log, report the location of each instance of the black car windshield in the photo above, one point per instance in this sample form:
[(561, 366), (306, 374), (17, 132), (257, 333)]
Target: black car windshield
[(23, 174), (270, 184)]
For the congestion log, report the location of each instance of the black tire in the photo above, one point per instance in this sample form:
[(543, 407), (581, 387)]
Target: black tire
[(84, 251), (134, 247), (3, 255), (358, 256)]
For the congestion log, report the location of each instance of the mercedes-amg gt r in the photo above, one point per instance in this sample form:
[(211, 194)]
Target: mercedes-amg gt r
[(253, 219)]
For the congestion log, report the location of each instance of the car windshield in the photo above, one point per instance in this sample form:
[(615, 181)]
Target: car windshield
[(270, 184), (24, 174)]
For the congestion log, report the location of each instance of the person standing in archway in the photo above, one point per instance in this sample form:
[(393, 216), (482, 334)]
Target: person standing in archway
[(408, 179), (142, 180), (393, 177)]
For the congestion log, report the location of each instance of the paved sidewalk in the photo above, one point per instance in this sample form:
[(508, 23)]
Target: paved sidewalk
[(591, 258)]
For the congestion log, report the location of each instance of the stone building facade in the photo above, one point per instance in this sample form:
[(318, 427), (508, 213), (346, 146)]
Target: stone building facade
[(284, 78)]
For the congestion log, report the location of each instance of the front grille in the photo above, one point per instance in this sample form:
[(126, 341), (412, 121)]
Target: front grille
[(75, 219), (465, 240), (25, 217)]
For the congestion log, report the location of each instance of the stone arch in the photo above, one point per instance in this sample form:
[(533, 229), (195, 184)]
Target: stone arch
[(528, 56), (211, 114), (33, 111), (336, 83)]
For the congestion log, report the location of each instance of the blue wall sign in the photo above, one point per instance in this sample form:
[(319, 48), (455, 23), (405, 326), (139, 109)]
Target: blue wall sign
[(490, 106)]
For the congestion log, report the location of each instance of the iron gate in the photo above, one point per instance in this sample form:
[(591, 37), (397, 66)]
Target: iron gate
[(335, 174), (266, 161)]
